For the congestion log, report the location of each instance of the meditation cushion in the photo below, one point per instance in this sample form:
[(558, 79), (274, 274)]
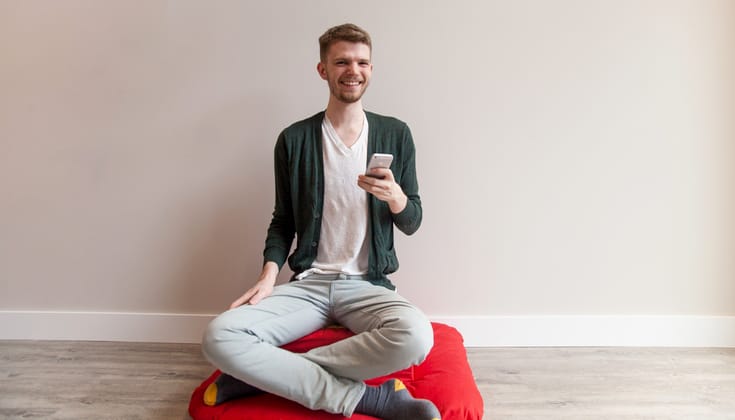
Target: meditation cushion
[(444, 378)]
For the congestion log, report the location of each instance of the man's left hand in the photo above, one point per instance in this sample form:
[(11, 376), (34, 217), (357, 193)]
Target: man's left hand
[(384, 187)]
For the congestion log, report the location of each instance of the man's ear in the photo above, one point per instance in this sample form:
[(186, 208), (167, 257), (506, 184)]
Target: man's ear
[(322, 70)]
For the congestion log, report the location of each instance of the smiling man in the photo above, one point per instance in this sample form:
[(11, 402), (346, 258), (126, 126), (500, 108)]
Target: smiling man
[(342, 220)]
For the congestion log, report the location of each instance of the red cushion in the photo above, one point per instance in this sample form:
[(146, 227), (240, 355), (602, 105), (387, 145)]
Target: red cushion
[(444, 378)]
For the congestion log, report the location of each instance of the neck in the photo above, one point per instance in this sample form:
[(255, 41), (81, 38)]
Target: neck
[(341, 114)]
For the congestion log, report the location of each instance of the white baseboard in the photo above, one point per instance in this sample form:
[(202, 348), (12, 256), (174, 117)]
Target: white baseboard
[(103, 326), (478, 331), (595, 331)]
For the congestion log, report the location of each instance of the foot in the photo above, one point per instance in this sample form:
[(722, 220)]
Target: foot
[(392, 401), (226, 388)]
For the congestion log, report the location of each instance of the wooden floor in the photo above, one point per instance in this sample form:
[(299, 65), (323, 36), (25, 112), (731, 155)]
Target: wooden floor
[(102, 380)]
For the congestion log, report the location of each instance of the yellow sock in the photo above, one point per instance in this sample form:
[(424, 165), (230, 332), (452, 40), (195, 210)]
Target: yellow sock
[(210, 394), (226, 388)]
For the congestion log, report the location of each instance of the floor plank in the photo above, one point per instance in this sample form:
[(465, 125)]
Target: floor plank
[(93, 380), (606, 383), (104, 380)]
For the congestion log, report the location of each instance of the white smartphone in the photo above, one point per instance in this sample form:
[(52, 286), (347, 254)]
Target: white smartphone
[(378, 160)]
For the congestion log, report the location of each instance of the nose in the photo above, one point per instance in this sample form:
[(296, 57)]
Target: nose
[(353, 67)]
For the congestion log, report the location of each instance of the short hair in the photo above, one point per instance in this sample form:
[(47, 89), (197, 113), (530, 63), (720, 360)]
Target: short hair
[(346, 32)]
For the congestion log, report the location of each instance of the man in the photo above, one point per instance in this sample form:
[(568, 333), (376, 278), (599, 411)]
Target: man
[(343, 222)]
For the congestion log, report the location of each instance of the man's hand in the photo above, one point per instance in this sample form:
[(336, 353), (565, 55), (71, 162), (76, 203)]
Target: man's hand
[(262, 288), (384, 188)]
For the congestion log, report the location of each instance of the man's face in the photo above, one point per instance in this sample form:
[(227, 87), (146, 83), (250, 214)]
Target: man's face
[(347, 69)]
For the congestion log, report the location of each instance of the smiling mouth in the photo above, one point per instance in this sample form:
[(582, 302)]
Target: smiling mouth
[(351, 83)]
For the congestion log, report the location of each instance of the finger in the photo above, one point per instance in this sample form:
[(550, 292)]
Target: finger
[(372, 182), (263, 293), (367, 179), (257, 298), (384, 173), (378, 188), (237, 303), (243, 299), (378, 173), (366, 182)]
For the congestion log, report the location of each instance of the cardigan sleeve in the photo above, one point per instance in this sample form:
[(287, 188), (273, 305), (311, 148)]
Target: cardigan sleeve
[(281, 230), (409, 220)]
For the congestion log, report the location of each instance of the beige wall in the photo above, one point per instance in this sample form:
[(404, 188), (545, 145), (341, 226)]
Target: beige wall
[(575, 157)]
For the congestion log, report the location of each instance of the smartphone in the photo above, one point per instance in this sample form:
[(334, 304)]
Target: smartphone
[(378, 160)]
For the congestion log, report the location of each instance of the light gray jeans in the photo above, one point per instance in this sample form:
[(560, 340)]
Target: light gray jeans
[(390, 335)]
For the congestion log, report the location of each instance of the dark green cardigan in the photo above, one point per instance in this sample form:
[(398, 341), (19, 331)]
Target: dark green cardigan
[(299, 177)]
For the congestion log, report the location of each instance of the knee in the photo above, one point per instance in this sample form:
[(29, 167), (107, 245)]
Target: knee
[(416, 341), (212, 337), (422, 341), (218, 336)]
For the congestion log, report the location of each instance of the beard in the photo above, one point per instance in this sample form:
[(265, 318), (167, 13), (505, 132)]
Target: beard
[(348, 97)]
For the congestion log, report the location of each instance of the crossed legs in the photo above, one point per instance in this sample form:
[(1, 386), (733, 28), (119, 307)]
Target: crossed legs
[(391, 334)]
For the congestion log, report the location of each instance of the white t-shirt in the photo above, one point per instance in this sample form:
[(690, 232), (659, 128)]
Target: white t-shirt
[(344, 238)]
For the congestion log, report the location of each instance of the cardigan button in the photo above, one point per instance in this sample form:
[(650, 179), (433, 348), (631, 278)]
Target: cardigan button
[(313, 244)]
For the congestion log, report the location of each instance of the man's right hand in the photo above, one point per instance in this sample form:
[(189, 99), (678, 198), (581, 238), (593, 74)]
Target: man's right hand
[(262, 288)]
